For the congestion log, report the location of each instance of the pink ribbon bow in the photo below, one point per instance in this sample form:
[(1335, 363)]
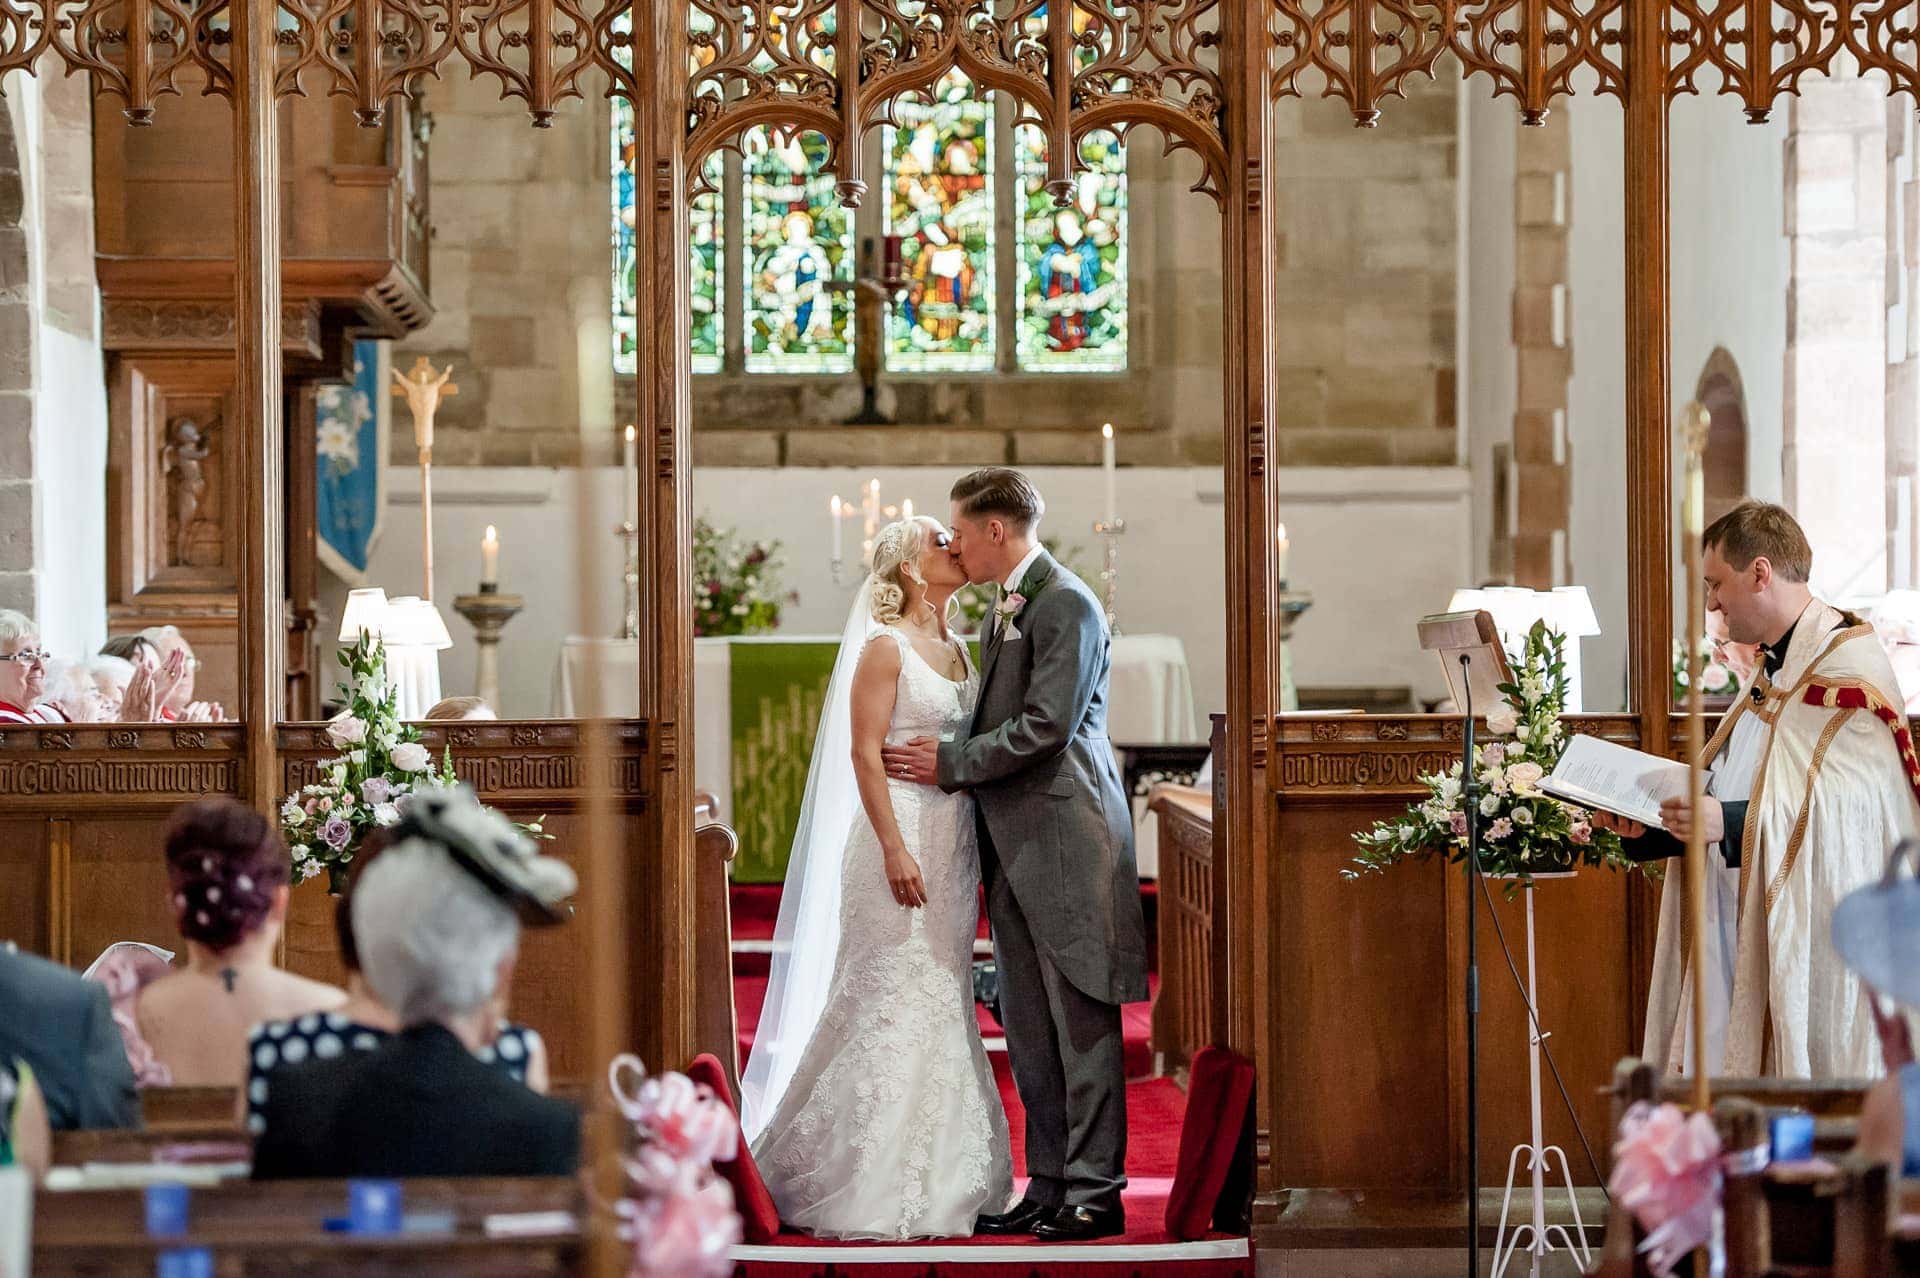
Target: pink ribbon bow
[(679, 1217), (1666, 1171)]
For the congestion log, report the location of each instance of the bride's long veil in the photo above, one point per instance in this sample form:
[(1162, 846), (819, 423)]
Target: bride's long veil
[(807, 936)]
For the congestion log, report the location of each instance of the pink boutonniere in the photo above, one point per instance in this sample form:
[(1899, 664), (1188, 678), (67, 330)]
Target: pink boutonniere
[(1006, 610)]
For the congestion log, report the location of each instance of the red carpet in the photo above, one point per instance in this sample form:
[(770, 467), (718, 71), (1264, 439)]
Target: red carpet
[(1155, 1110)]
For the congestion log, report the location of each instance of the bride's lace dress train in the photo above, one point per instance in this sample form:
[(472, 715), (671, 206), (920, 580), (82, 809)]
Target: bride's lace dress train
[(892, 1126)]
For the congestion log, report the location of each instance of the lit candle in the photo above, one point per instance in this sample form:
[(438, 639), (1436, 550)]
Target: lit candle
[(906, 509), (490, 558), (1106, 461), (630, 475), (837, 509), (1280, 548)]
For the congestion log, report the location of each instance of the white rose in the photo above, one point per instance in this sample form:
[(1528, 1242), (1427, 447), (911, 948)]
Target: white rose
[(1525, 776), (346, 731), (1523, 816), (1490, 805), (291, 813), (1715, 677), (385, 814), (411, 756), (1502, 720)]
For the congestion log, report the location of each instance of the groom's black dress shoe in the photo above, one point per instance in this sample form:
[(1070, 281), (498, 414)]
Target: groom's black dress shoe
[(1021, 1220), (1081, 1224)]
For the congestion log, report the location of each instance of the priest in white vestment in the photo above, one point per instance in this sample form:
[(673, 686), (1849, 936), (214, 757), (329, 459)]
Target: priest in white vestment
[(1812, 780)]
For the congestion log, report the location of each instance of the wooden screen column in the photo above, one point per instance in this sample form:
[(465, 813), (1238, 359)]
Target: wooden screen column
[(1243, 954), (661, 882), (1649, 432), (256, 289)]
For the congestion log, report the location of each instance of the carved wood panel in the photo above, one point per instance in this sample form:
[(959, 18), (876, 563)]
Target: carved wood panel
[(1387, 952)]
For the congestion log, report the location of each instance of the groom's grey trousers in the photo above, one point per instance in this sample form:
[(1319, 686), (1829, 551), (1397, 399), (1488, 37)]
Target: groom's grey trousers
[(1066, 1050)]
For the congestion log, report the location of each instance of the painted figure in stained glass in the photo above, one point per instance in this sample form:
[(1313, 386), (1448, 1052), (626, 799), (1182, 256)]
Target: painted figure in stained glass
[(799, 236), (941, 204), (1073, 295)]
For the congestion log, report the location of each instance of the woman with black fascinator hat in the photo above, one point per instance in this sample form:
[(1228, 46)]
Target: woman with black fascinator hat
[(436, 918)]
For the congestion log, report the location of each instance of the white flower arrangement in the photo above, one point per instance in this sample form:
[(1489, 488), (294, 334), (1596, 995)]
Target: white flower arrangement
[(1523, 830)]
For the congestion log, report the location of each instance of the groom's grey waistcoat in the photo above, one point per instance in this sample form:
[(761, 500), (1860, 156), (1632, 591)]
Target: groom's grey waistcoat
[(1054, 818)]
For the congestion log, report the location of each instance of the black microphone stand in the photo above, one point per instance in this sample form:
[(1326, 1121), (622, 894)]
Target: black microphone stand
[(1471, 806)]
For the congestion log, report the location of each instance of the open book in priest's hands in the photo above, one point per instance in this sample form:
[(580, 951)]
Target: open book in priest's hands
[(1614, 778)]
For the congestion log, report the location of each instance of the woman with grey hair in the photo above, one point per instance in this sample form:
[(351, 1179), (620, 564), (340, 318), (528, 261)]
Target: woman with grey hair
[(23, 672), (436, 920)]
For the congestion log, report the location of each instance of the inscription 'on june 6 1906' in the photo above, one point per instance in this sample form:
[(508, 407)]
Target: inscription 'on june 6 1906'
[(1361, 769)]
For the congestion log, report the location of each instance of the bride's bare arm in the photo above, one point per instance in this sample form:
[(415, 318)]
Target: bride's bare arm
[(874, 681)]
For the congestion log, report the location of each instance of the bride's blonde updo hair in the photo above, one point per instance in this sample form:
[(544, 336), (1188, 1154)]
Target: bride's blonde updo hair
[(896, 551)]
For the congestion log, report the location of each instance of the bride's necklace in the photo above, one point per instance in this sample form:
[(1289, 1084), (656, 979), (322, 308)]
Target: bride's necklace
[(950, 665)]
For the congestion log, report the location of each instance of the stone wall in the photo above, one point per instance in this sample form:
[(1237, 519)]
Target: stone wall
[(52, 391), (1365, 335), (1365, 340)]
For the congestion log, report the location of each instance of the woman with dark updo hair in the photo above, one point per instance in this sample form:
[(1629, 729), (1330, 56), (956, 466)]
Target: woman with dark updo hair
[(228, 874)]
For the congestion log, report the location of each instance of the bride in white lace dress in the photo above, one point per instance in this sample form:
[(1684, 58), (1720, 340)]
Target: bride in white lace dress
[(868, 1098)]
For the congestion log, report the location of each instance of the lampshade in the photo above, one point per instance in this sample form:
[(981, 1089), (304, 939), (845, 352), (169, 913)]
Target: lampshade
[(1467, 599), (413, 622), (1575, 612), (366, 611)]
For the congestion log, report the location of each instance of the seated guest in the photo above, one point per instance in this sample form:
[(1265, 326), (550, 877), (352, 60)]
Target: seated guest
[(363, 1022), (461, 708), (23, 672), (179, 703), (137, 650), (71, 691), (61, 1027), (110, 676), (229, 873), (436, 920), (24, 1138)]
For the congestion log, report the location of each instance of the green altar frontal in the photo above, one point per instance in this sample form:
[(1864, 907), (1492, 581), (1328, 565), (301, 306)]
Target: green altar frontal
[(776, 692)]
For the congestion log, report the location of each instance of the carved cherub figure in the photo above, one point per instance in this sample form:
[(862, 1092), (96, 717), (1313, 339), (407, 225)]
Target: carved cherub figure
[(180, 461)]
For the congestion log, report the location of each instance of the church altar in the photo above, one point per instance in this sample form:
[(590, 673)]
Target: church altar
[(757, 703)]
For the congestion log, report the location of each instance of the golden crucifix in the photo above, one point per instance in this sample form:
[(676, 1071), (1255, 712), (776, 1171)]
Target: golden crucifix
[(423, 389)]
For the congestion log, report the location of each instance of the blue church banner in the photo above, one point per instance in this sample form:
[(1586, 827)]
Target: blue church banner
[(351, 421)]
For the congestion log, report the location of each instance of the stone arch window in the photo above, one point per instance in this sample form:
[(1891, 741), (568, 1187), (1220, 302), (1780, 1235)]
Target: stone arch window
[(1721, 392), (995, 278)]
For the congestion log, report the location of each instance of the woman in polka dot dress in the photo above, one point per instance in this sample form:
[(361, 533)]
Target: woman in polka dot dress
[(363, 1023)]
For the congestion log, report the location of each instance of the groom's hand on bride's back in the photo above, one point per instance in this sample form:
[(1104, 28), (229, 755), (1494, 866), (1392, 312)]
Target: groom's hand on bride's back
[(917, 761)]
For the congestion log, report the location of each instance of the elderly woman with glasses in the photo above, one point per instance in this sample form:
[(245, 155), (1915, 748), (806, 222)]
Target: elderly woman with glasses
[(23, 672), (436, 919)]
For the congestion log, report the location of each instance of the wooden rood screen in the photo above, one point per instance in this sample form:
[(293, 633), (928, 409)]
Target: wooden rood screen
[(1342, 1006)]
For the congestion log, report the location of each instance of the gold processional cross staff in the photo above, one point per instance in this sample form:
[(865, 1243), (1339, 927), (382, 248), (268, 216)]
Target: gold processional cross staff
[(423, 389)]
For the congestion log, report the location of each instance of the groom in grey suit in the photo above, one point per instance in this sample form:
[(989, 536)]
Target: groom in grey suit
[(1056, 855)]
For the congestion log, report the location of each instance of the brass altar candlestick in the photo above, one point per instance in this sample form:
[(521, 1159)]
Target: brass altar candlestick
[(629, 536), (489, 611), (423, 389)]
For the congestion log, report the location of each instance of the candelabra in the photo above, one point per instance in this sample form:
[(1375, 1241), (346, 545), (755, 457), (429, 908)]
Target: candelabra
[(1110, 530), (489, 612), (629, 535)]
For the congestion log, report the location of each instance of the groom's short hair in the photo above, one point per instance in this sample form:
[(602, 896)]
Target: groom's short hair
[(999, 491)]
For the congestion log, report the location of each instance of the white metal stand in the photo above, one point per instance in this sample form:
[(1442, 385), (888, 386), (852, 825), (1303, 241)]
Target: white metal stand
[(1539, 1237)]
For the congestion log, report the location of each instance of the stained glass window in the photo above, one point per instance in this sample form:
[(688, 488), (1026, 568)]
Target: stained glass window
[(799, 241), (1073, 265), (705, 230), (940, 202)]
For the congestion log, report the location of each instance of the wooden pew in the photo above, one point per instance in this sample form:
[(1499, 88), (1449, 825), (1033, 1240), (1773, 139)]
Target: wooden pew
[(1830, 1218), (276, 1228), (714, 847), (1182, 1018)]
